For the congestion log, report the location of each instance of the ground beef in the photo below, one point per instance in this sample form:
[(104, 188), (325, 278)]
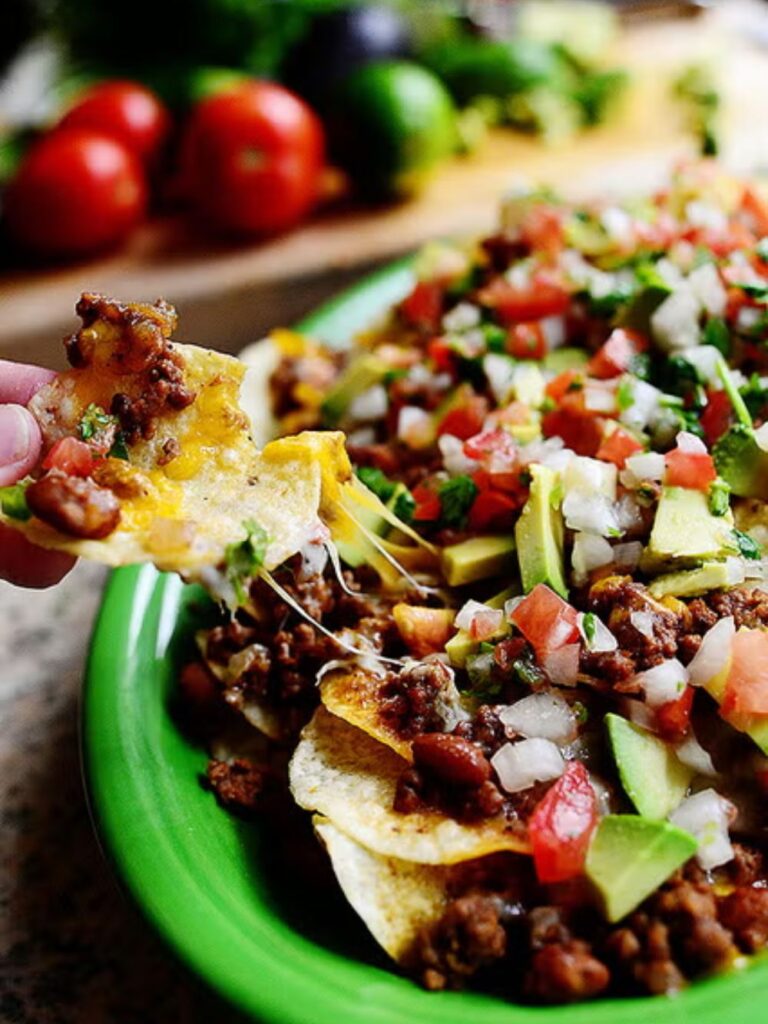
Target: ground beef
[(410, 700), (615, 668), (485, 729), (745, 913), (564, 973), (469, 936), (74, 505), (238, 784), (614, 599), (749, 608)]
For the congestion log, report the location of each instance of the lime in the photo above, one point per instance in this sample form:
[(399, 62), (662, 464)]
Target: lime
[(390, 124)]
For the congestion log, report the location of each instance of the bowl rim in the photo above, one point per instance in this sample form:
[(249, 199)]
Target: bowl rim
[(301, 983)]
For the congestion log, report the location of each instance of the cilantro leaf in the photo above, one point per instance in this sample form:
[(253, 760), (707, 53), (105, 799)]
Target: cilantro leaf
[(625, 395), (762, 249), (244, 558), (716, 333), (377, 482), (94, 421), (589, 625), (456, 497), (13, 502), (748, 547), (719, 497), (119, 449), (404, 506)]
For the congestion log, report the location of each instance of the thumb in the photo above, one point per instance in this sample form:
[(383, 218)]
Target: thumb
[(19, 443)]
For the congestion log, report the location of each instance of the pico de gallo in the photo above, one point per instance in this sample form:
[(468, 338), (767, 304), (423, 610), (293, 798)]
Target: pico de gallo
[(563, 428)]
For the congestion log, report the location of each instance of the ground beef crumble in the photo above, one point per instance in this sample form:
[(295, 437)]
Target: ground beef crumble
[(238, 784)]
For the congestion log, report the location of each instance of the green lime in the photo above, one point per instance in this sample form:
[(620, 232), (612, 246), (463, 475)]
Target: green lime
[(390, 124)]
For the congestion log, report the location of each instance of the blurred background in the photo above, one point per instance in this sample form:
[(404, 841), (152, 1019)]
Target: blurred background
[(246, 158)]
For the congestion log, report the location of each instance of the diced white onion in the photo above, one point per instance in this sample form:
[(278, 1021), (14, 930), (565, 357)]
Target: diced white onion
[(627, 556), (643, 623), (647, 465), (454, 459), (619, 225), (361, 436), (714, 652), (645, 404), (705, 359), (500, 373), (748, 318), (735, 571), (591, 475), (414, 426), (701, 214), (369, 405), (543, 715), (675, 323), (691, 753), (628, 514), (690, 444), (591, 513), (520, 765), (706, 285), (639, 714), (467, 613), (462, 317), (761, 437), (554, 331), (589, 552), (602, 638), (562, 665), (541, 451), (600, 396), (511, 604), (706, 816), (664, 682)]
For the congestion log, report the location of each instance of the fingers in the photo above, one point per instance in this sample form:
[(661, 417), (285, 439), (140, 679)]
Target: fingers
[(28, 566), (19, 443), (18, 382)]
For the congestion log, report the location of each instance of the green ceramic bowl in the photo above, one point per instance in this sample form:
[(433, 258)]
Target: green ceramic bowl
[(207, 882)]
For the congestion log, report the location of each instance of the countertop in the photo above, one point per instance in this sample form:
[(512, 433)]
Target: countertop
[(72, 948)]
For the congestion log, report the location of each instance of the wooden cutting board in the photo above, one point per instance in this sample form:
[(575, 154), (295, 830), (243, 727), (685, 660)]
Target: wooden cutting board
[(228, 296)]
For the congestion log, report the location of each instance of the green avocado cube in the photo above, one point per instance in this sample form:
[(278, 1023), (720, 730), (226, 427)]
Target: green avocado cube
[(690, 582), (685, 533), (478, 558), (652, 777), (360, 375), (539, 534)]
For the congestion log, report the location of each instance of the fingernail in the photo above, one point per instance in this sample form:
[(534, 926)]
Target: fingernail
[(16, 435)]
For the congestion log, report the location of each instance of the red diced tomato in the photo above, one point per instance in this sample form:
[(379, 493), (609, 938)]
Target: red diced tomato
[(70, 456), (754, 204), (424, 630), (616, 355), (542, 229), (493, 510), (567, 382), (746, 689), (465, 420), (561, 826), (428, 505), (674, 718), (423, 308), (486, 623), (442, 355), (490, 442), (579, 430), (517, 305), (546, 621), (618, 446), (695, 470), (526, 341), (716, 416)]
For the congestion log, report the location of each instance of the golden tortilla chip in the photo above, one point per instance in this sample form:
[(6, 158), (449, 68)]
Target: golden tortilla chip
[(340, 772), (395, 898)]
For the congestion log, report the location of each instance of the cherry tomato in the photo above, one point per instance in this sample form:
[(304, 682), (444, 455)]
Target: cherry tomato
[(674, 718), (252, 159), (561, 826), (71, 456), (716, 416), (526, 341), (423, 308), (616, 355), (546, 621), (689, 469), (618, 446), (746, 689), (76, 192), (466, 420), (128, 112)]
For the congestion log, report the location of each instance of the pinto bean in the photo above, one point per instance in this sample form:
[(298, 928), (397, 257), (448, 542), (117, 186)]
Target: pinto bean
[(451, 758), (74, 505)]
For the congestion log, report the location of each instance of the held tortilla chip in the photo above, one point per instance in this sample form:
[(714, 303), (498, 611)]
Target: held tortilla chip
[(192, 478), (395, 898), (340, 772)]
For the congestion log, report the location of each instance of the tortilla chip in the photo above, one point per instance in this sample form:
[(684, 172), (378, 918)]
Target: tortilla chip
[(395, 898), (340, 772)]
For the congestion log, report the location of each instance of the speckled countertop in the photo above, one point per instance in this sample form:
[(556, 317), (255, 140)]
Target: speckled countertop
[(72, 948)]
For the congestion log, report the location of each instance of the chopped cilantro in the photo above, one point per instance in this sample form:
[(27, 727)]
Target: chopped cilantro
[(758, 292), (762, 249), (456, 497), (755, 395), (13, 502), (119, 449), (482, 679), (640, 366), (377, 482), (581, 711), (716, 333), (526, 671), (245, 557), (589, 625), (719, 497), (737, 402), (94, 422), (625, 395), (404, 506), (495, 338), (748, 547)]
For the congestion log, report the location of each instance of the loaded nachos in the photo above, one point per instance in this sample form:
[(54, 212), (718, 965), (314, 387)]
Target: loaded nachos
[(516, 664)]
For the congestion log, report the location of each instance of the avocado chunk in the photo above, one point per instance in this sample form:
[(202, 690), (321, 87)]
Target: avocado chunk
[(690, 582), (630, 856), (561, 359), (741, 463), (361, 374), (461, 644), (685, 533), (478, 558), (539, 534), (652, 777)]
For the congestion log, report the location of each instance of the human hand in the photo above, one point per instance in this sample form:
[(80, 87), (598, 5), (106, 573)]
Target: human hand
[(21, 562)]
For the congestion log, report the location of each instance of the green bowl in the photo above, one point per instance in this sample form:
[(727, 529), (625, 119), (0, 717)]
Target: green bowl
[(272, 946)]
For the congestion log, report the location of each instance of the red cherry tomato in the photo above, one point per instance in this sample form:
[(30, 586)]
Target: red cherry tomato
[(562, 824), (618, 446), (128, 112), (546, 621), (76, 192), (674, 718), (252, 159), (689, 469), (70, 456), (616, 355)]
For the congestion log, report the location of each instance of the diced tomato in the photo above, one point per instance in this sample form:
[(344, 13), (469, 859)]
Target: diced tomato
[(486, 623), (746, 689), (465, 420), (695, 470), (424, 630), (546, 621), (423, 308), (70, 456), (579, 430), (490, 442), (716, 416), (673, 719), (616, 355), (515, 305), (526, 341), (754, 204), (428, 505), (562, 824), (493, 510), (567, 382), (618, 446), (542, 229), (442, 355)]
